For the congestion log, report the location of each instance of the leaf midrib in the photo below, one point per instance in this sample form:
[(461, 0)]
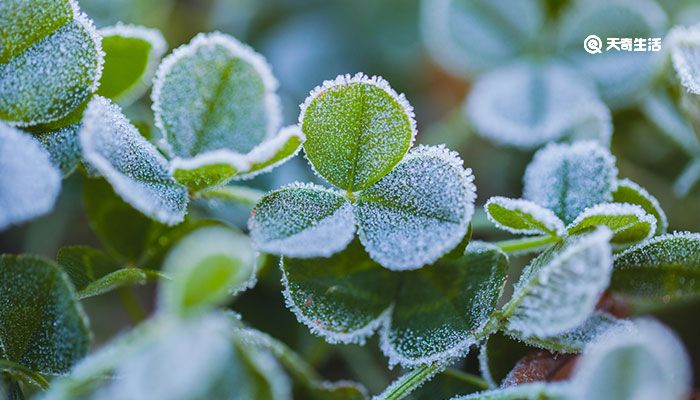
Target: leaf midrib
[(207, 118)]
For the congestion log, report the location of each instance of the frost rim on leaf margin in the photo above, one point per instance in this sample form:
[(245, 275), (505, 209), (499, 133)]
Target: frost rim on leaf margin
[(618, 209), (661, 220), (541, 214), (689, 36)]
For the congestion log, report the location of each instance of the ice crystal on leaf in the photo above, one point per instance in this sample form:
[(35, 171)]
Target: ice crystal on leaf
[(630, 192), (629, 223), (685, 54), (523, 217), (29, 182), (132, 165), (63, 146)]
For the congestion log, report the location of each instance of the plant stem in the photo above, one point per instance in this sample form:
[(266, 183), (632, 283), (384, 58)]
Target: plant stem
[(132, 304), (472, 379), (25, 373), (525, 244), (409, 382), (235, 194)]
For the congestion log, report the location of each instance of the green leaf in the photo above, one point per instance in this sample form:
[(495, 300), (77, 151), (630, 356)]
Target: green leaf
[(446, 385), (526, 391), (50, 60), (568, 178), (302, 220), (685, 54), (497, 356), (63, 147), (559, 289), (661, 110), (233, 194), (205, 268), (132, 54), (44, 327), (523, 217), (661, 272), (688, 179), (424, 315), (274, 152), (357, 129), (631, 193), (119, 278), (133, 166), (419, 211), (629, 223)]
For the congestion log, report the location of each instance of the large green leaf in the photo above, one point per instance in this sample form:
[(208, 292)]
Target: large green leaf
[(50, 60), (63, 147), (357, 129), (43, 326), (425, 315), (685, 54), (419, 211), (631, 193), (523, 217), (629, 223)]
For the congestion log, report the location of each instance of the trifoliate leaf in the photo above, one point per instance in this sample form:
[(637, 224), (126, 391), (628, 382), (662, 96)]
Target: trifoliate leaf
[(665, 270), (643, 361), (50, 60), (567, 179), (685, 55), (419, 211), (630, 192), (132, 54), (527, 105), (526, 391), (629, 223), (357, 129), (469, 36), (43, 326), (497, 356), (215, 93), (671, 121), (302, 220), (133, 166), (29, 183), (523, 217), (559, 289), (621, 76), (63, 146), (427, 315)]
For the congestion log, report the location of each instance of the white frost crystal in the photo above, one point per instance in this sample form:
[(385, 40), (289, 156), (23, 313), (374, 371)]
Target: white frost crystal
[(685, 54), (535, 219)]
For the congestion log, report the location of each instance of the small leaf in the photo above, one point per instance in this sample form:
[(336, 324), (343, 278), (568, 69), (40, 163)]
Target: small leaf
[(663, 271), (630, 192), (302, 220), (526, 391), (671, 121), (50, 63), (205, 268), (121, 277), (527, 105), (685, 54), (29, 183), (274, 152), (357, 129), (242, 195), (559, 289), (567, 179), (629, 223), (523, 217), (469, 36), (419, 211), (63, 147), (132, 54), (43, 326), (133, 166)]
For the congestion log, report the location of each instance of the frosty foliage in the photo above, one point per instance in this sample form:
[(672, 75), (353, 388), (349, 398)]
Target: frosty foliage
[(29, 182), (53, 74), (527, 104), (630, 192), (528, 391), (215, 93), (274, 151), (685, 55), (671, 121), (523, 217), (419, 211), (558, 290), (469, 36), (302, 220), (629, 223), (357, 129), (568, 178), (63, 147), (133, 166)]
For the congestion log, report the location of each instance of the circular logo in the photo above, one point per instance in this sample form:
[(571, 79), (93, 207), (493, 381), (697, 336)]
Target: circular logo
[(592, 44)]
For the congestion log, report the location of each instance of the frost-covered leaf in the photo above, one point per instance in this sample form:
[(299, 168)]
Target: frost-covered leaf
[(684, 46), (205, 268), (242, 195), (568, 178), (419, 211), (427, 315), (63, 147), (132, 54), (497, 356), (119, 278), (43, 326), (665, 270), (357, 129), (446, 385), (50, 60), (559, 289), (274, 152), (29, 183), (527, 391), (643, 361), (527, 105), (622, 76), (215, 93), (671, 121), (523, 217), (469, 36), (631, 193), (133, 166), (629, 223), (302, 220)]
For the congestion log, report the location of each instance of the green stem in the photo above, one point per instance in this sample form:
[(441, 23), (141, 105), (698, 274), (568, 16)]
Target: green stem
[(235, 194), (25, 373), (131, 303), (405, 384), (526, 244), (471, 379)]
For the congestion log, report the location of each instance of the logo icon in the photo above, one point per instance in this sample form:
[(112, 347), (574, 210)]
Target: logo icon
[(592, 44)]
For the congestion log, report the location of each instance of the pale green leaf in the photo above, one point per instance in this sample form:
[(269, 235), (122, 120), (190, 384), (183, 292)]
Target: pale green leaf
[(671, 121), (684, 43), (119, 278), (63, 147), (523, 217), (629, 223), (233, 194), (630, 192)]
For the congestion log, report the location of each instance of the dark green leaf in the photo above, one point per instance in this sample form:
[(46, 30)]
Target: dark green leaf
[(498, 355), (631, 193)]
